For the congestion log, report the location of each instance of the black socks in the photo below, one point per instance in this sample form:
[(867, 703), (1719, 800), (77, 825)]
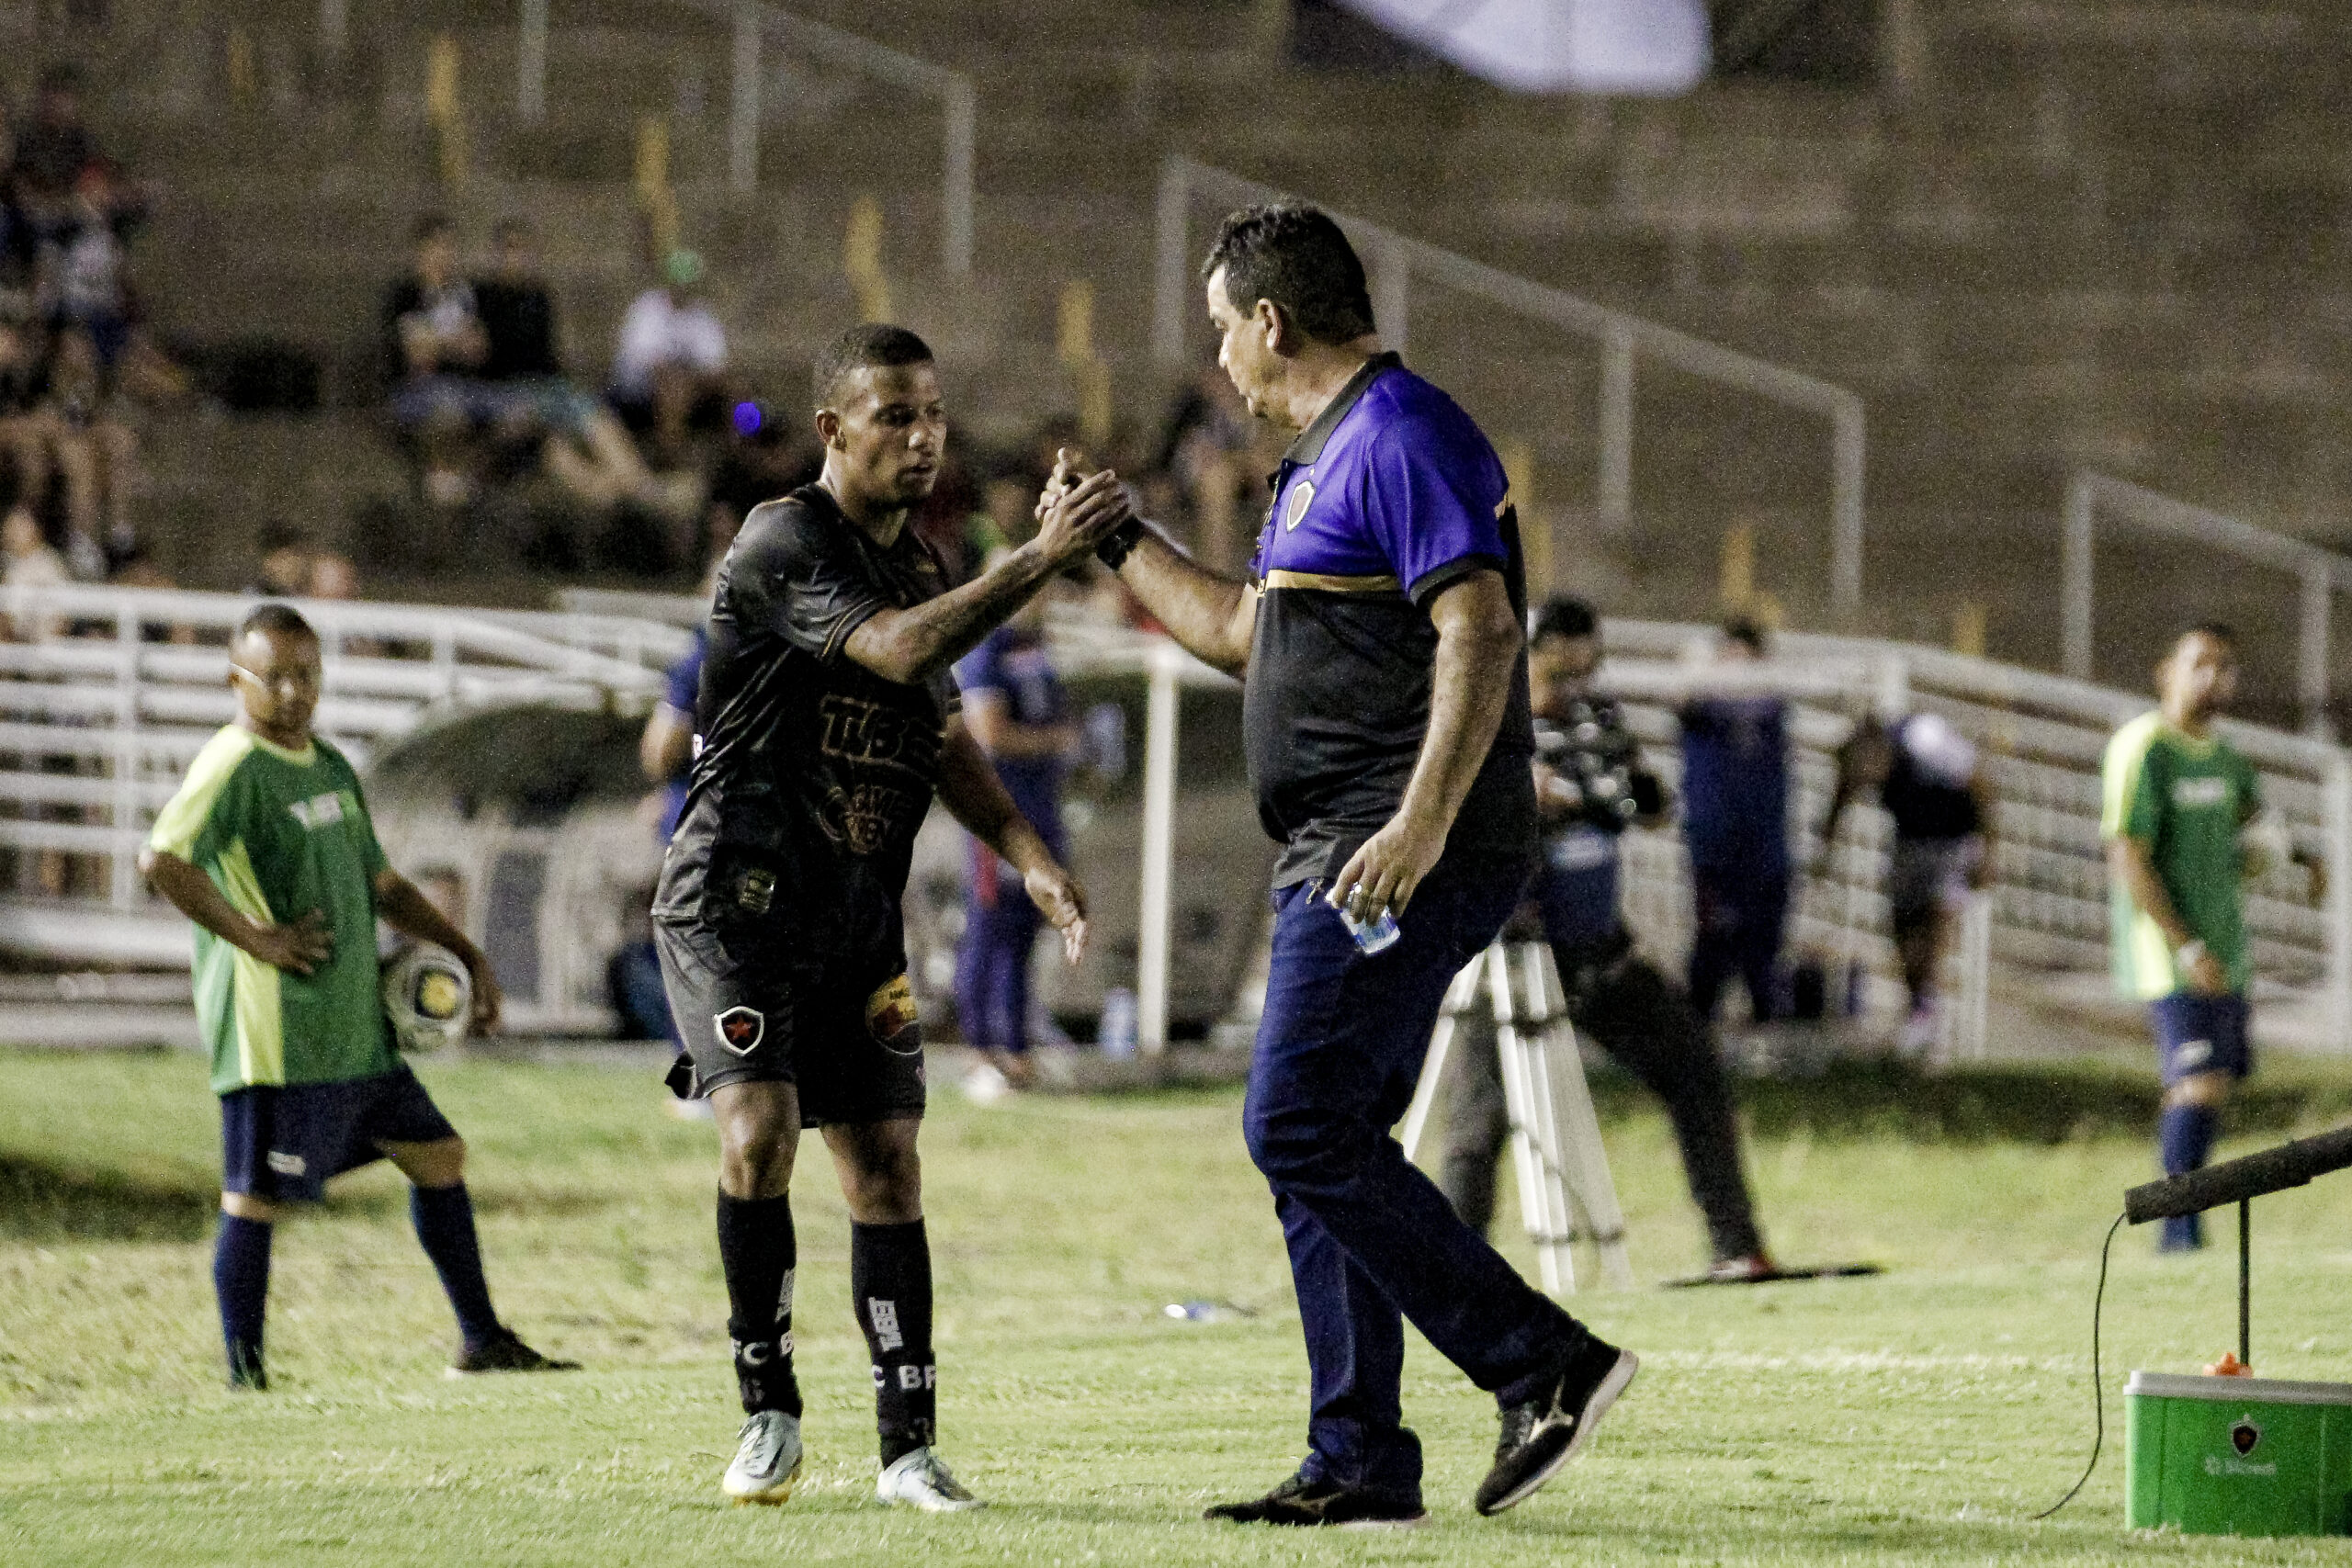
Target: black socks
[(757, 1250), (890, 1281)]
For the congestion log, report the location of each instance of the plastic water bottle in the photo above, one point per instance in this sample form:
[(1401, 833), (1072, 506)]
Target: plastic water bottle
[(1372, 936), (1117, 1034)]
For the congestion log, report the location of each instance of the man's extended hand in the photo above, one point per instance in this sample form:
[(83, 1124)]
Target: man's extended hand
[(1063, 903), (1073, 519), (1387, 868), (300, 945), (2206, 975)]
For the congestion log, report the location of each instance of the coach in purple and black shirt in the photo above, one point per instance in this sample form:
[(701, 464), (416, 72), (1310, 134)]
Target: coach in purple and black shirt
[(1386, 705)]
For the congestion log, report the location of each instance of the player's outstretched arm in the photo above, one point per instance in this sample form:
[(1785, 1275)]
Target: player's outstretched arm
[(970, 790), (1212, 616), (912, 645), (300, 945), (403, 905), (1470, 681)]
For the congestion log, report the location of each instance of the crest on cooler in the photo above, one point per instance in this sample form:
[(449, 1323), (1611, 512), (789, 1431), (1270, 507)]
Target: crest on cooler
[(2244, 1437)]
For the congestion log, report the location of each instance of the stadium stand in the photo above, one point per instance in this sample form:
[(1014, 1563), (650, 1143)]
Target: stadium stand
[(1859, 235)]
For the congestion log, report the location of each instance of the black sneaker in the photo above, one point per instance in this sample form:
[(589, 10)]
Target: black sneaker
[(245, 1373), (1299, 1501), (1542, 1434), (505, 1353)]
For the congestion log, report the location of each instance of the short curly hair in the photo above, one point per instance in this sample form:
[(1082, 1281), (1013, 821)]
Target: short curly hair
[(1297, 257), (869, 347)]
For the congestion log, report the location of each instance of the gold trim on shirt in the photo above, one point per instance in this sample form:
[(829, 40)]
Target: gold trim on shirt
[(1327, 583)]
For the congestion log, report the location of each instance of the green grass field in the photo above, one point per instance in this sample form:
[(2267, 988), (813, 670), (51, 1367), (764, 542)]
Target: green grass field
[(1916, 1418)]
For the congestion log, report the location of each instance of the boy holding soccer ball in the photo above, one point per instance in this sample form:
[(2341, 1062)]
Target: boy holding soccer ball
[(268, 849)]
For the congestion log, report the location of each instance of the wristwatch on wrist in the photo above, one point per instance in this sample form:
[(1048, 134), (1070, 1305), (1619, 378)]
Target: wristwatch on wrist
[(2189, 952), (1115, 546)]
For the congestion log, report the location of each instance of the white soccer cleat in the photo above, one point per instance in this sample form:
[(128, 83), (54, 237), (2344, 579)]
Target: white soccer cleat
[(919, 1480), (768, 1461)]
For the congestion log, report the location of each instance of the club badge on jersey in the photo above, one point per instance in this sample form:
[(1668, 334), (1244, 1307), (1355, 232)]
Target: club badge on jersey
[(428, 996)]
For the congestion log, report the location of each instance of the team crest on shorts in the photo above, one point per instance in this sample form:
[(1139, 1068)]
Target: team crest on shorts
[(1302, 496), (741, 1030), (890, 1018)]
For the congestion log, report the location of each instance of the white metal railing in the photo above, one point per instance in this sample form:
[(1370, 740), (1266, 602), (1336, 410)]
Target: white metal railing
[(103, 710), (1393, 259), (2320, 573), (2041, 739)]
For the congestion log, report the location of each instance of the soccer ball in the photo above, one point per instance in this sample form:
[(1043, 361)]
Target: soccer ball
[(428, 996)]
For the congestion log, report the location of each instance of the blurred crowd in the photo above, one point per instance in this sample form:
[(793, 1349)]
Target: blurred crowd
[(75, 355)]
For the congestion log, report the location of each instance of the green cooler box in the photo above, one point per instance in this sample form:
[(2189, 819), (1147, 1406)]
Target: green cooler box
[(2239, 1456)]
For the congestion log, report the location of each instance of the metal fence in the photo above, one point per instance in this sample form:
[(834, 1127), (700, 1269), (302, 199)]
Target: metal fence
[(117, 690), (1395, 260), (2042, 925), (2092, 498)]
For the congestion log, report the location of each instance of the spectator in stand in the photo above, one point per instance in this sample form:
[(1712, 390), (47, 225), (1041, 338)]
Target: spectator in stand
[(53, 148), (670, 368), (84, 282), (286, 558), (1015, 707), (584, 447), (95, 452), (1735, 823), (24, 387), (29, 562), (332, 576), (433, 349)]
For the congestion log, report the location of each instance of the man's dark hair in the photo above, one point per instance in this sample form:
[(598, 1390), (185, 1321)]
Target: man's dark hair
[(430, 226), (274, 620), (1563, 617), (1747, 631), (1295, 256), (2220, 631), (873, 345)]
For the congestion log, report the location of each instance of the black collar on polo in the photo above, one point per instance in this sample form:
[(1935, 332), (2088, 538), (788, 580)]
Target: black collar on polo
[(1305, 451)]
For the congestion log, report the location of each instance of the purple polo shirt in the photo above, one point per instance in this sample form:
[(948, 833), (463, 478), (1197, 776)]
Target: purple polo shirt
[(1391, 495)]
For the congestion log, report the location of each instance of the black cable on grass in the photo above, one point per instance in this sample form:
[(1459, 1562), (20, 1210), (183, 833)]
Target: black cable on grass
[(2098, 1397)]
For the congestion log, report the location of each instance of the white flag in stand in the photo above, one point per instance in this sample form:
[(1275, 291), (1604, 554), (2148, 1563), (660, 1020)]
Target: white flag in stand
[(1654, 48)]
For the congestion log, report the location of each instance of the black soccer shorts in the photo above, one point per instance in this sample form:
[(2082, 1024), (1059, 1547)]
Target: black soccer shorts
[(843, 1029)]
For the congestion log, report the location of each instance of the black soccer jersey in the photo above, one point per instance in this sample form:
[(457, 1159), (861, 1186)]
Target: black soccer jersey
[(814, 773)]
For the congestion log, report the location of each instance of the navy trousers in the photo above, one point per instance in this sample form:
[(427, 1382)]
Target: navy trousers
[(992, 969), (1739, 921), (1372, 1240)]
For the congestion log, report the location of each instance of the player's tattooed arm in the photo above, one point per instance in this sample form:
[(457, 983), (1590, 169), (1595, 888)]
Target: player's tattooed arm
[(300, 945), (909, 646), (403, 905), (972, 793)]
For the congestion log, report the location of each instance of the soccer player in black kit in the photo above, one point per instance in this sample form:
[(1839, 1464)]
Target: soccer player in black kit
[(827, 720)]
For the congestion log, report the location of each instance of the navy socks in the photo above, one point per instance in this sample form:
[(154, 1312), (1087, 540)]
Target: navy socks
[(443, 1218), (2184, 1137), (241, 1278)]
